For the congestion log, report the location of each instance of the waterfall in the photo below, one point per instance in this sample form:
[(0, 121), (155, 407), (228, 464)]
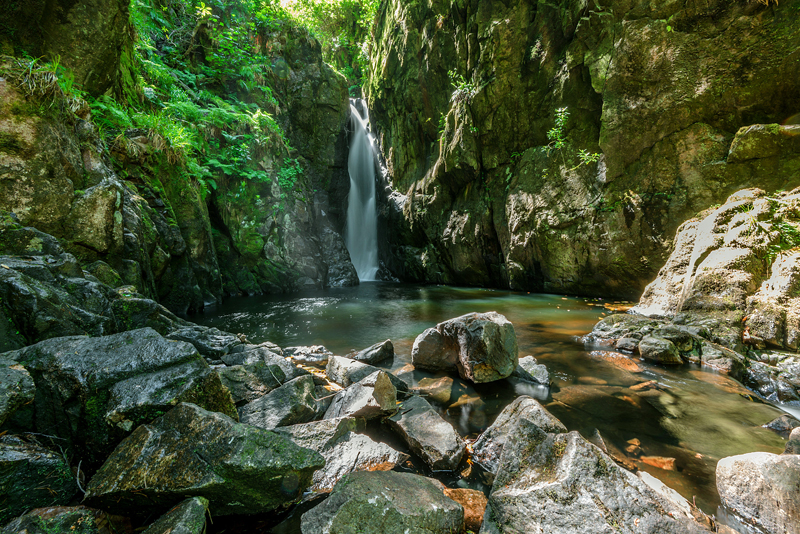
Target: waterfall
[(361, 229)]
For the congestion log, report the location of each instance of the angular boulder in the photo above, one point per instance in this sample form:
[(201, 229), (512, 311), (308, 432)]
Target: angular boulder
[(67, 519), (93, 391), (762, 489), (316, 355), (31, 477), (488, 448), (16, 388), (376, 353), (210, 342), (374, 396), (290, 404), (189, 517), (344, 371), (344, 450), (531, 371), (482, 347), (190, 451), (254, 373), (387, 502), (659, 350), (428, 435), (561, 483)]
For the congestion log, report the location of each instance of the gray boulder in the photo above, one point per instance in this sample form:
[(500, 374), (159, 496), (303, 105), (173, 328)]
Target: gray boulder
[(793, 445), (290, 404), (376, 353), (428, 436), (16, 388), (93, 391), (344, 371), (488, 448), (762, 489), (254, 373), (562, 484), (374, 396), (783, 425), (344, 450), (531, 371), (31, 477), (239, 468), (387, 502), (316, 355), (189, 517), (210, 342), (482, 347), (659, 350)]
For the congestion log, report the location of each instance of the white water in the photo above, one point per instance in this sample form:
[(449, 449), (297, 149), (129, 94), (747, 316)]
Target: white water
[(361, 229)]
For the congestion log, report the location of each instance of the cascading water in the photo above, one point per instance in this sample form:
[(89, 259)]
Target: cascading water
[(361, 232)]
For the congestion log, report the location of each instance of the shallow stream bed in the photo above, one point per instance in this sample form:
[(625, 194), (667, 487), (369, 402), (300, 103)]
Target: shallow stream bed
[(693, 414)]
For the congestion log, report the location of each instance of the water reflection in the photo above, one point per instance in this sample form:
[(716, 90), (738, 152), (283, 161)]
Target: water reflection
[(673, 423)]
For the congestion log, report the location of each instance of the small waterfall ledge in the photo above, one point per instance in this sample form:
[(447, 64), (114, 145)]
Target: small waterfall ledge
[(361, 228)]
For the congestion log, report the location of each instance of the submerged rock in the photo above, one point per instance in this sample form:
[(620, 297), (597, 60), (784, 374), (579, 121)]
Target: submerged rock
[(31, 477), (189, 517), (488, 448), (376, 353), (386, 502), (290, 404), (67, 519), (561, 483), (482, 347), (373, 396), (344, 450), (93, 391), (189, 451), (428, 435), (763, 489)]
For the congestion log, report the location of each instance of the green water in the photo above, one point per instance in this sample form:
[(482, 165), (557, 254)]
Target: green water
[(695, 415)]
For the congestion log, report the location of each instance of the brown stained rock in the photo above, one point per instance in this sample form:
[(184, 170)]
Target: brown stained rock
[(617, 360), (474, 503), (650, 384), (437, 389), (668, 464)]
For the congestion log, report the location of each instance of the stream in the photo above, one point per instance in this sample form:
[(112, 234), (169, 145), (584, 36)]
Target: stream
[(692, 415)]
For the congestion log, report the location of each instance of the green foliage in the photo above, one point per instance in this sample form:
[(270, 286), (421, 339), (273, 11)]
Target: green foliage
[(463, 90), (289, 174), (556, 134), (788, 238), (46, 79)]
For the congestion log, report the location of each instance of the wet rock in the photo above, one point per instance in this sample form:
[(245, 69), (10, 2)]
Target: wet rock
[(783, 425), (344, 371), (793, 445), (31, 477), (763, 489), (658, 350), (531, 371), (668, 464), (437, 389), (189, 517), (256, 372), (618, 360), (474, 504), (210, 342), (316, 355), (373, 396), (376, 353), (344, 451), (488, 448), (765, 379), (71, 519), (481, 346), (386, 502), (561, 483), (240, 469), (428, 435), (289, 404), (93, 391), (16, 388), (627, 344)]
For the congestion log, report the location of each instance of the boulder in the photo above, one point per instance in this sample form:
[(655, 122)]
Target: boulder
[(93, 391), (793, 445), (783, 424), (488, 448), (240, 469), (428, 435), (189, 517), (561, 483), (344, 450), (67, 519), (387, 502), (531, 371), (376, 353), (210, 342), (438, 390), (254, 373), (31, 477), (762, 489), (659, 350), (16, 388), (316, 356), (374, 396), (482, 347), (290, 404), (344, 371), (474, 504)]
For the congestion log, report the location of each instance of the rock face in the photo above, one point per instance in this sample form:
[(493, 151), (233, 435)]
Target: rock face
[(290, 404), (763, 489), (239, 468), (387, 502), (481, 346), (463, 95), (31, 477), (428, 435), (93, 391), (561, 483)]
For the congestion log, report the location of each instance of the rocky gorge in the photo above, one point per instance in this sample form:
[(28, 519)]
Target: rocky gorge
[(606, 149)]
